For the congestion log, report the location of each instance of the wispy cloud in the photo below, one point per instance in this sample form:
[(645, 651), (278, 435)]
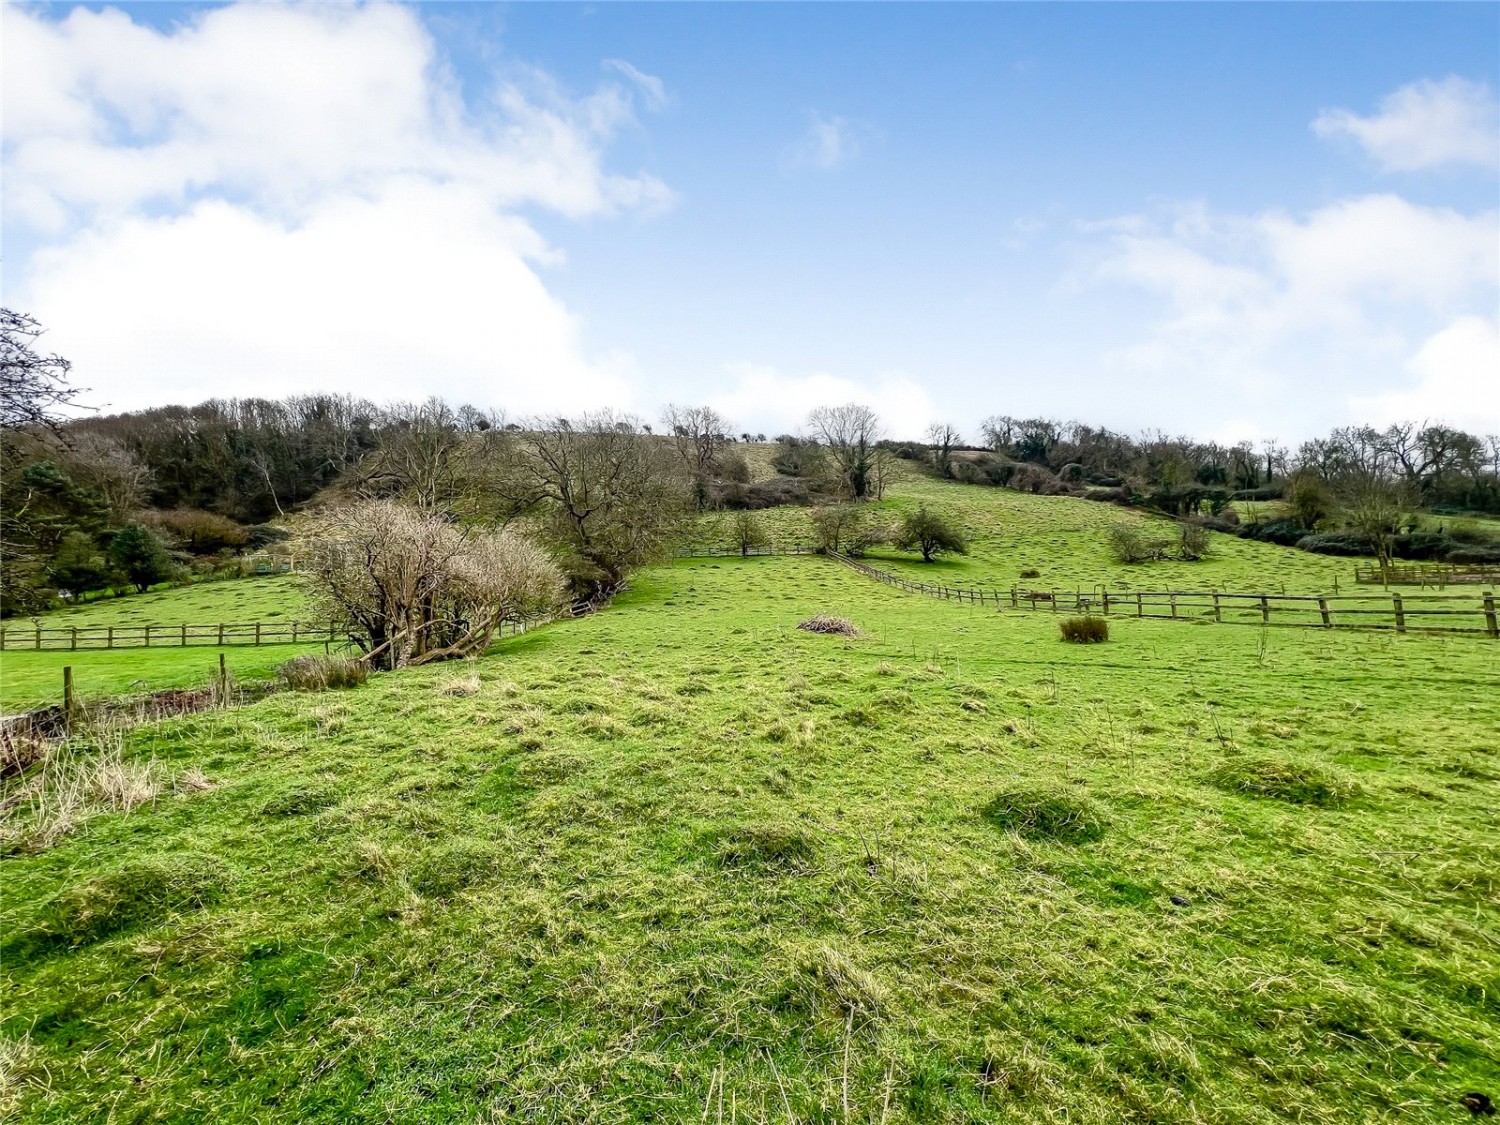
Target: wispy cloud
[(1424, 125), (653, 89), (828, 142)]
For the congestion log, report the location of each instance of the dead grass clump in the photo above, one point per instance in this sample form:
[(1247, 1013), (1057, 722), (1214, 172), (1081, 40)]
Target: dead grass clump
[(832, 976), (834, 626), (1084, 630), (770, 847), (1293, 782), (459, 686), (1048, 813), (76, 780), (323, 673), (135, 895)]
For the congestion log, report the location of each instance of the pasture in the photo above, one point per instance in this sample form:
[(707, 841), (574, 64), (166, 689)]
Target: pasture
[(682, 861)]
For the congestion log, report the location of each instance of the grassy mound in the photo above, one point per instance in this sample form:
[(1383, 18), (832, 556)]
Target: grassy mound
[(1294, 782), (134, 895), (773, 847), (1047, 813)]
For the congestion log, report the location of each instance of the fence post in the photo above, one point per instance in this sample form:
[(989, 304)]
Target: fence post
[(38, 636), (1323, 609), (68, 698), (257, 632), (1140, 610), (1106, 603), (184, 635), (294, 632), (1218, 609), (1490, 625), (1265, 610), (148, 637), (1400, 613), (109, 639), (1174, 607), (73, 640)]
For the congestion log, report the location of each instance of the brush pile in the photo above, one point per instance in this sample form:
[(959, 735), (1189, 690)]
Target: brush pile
[(822, 623)]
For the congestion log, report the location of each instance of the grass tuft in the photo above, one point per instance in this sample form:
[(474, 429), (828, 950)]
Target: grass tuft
[(774, 847), (1047, 812), (323, 673), (1294, 782), (134, 895)]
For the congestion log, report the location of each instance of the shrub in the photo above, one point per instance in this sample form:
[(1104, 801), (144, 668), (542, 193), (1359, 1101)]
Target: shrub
[(1084, 630), (1481, 555), (198, 531), (322, 673), (1194, 543), (822, 623), (1130, 544), (932, 533), (1031, 574), (1334, 543), (141, 557), (1047, 813), (1295, 783), (135, 895), (1284, 532)]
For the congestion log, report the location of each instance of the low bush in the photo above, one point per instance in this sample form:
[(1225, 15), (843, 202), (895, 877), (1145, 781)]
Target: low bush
[(323, 673), (1284, 532), (1031, 573), (1131, 544), (1048, 812), (1293, 782), (1084, 630), (1334, 543), (1481, 555)]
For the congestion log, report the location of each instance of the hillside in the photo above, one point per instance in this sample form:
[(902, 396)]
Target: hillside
[(680, 861)]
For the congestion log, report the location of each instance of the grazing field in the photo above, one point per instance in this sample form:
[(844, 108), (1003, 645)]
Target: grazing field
[(1064, 539), (276, 598), (683, 861), (32, 679)]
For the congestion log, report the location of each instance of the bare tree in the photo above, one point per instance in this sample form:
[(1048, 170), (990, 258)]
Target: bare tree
[(32, 386), (699, 436), (942, 438), (609, 497), (852, 434), (417, 587)]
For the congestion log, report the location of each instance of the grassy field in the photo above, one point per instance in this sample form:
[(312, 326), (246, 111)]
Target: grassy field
[(1064, 540), (680, 862), (32, 679)]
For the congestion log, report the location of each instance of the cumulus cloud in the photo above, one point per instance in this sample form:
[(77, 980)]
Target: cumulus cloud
[(764, 399), (1271, 310), (278, 197), (1425, 124), (1455, 377), (828, 143)]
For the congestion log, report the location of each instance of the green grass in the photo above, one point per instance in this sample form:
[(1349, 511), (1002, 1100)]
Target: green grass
[(1065, 540), (681, 855), (31, 679), (232, 601)]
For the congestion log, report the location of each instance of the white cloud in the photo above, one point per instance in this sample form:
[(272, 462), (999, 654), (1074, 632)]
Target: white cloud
[(828, 143), (764, 399), (274, 198), (651, 86), (1424, 125), (1292, 315), (1457, 381)]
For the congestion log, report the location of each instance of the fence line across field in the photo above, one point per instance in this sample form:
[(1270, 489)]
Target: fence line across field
[(1473, 613), (1428, 574), (87, 637)]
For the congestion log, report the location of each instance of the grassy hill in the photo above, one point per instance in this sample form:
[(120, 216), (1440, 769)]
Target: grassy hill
[(1065, 539), (681, 861)]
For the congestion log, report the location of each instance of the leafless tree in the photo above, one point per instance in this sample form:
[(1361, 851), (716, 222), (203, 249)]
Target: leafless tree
[(33, 386), (419, 588), (942, 438), (851, 434), (699, 435)]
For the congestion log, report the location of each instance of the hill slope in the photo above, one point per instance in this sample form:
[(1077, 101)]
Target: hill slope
[(681, 861)]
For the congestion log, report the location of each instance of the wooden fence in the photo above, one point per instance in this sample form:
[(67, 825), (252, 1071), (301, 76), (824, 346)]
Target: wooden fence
[(81, 637), (736, 552), (1429, 574), (1443, 613)]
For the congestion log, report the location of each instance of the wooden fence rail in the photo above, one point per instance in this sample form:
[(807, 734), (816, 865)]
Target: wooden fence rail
[(1445, 613), (86, 637), (736, 552), (1429, 574)]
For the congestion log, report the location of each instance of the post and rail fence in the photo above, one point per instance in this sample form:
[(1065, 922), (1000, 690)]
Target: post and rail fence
[(82, 637), (1429, 574), (1473, 613)]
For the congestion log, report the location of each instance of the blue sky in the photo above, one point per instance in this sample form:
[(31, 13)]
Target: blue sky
[(1236, 220)]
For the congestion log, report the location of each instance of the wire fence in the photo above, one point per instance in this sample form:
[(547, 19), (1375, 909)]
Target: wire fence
[(1472, 613)]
